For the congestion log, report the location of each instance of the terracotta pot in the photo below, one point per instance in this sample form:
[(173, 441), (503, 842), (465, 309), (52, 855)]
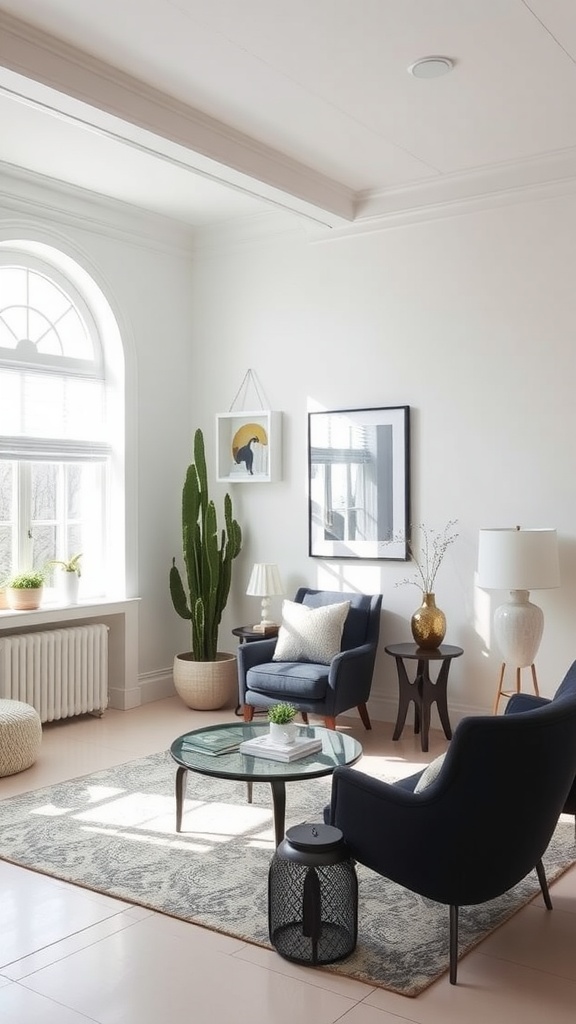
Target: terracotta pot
[(205, 685), (24, 599)]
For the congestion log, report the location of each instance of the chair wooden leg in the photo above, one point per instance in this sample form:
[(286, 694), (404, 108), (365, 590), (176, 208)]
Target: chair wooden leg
[(305, 717), (248, 712), (363, 712), (543, 884), (330, 722), (453, 944)]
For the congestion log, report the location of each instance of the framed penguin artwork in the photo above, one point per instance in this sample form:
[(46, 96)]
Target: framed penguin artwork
[(248, 447)]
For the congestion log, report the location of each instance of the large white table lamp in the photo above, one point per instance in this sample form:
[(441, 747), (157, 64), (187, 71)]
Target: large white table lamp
[(519, 561)]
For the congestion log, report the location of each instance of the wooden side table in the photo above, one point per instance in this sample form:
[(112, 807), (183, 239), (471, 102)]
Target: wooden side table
[(247, 634), (422, 691)]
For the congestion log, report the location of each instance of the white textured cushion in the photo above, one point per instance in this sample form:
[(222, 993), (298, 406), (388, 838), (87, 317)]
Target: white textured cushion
[(430, 774), (310, 634)]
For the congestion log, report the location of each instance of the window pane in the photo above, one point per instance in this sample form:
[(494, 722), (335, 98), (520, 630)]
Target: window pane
[(74, 482), (13, 287), (6, 559), (44, 294), (44, 478), (74, 337), (44, 545), (15, 320), (6, 490)]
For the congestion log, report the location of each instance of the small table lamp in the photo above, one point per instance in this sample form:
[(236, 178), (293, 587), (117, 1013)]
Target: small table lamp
[(265, 582), (519, 561)]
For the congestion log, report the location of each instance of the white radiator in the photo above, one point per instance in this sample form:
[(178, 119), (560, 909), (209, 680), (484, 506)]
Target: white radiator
[(61, 672)]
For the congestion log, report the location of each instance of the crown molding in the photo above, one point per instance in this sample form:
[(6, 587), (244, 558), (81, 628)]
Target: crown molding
[(34, 195), (214, 149), (457, 195)]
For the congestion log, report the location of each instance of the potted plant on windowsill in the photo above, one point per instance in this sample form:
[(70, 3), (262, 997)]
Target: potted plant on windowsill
[(204, 678), (24, 591), (69, 577)]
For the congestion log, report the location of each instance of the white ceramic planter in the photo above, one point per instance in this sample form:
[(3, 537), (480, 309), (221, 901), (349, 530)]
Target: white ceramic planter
[(68, 584), (285, 733)]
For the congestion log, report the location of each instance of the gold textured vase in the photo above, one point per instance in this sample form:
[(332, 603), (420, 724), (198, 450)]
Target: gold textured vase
[(428, 623)]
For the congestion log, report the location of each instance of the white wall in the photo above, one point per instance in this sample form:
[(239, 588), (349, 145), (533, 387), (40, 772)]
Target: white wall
[(469, 321)]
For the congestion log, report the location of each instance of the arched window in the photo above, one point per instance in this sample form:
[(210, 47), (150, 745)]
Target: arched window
[(59, 438)]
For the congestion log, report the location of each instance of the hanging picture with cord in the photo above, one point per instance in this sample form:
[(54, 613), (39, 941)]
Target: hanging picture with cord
[(248, 447)]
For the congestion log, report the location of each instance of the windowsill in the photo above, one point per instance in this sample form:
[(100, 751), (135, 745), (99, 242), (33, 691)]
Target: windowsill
[(56, 611)]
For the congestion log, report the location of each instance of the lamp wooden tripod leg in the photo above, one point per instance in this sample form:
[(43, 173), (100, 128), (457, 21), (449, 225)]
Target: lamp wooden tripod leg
[(508, 693)]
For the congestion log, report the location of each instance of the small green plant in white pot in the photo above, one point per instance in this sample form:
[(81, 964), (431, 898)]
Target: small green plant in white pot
[(24, 591), (69, 577), (283, 728)]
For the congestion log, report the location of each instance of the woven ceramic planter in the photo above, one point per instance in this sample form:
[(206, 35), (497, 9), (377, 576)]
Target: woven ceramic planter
[(205, 685)]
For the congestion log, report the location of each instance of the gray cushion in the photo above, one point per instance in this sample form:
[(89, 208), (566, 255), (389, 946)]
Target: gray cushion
[(430, 774)]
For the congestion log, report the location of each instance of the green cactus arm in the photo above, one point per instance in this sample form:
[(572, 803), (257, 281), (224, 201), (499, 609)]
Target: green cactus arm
[(178, 593), (200, 463), (199, 632)]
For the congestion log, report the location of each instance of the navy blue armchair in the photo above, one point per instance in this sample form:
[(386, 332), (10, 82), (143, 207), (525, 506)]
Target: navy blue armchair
[(481, 825), (325, 690), (520, 702)]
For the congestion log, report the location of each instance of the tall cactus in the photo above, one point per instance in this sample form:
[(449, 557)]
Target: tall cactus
[(208, 566)]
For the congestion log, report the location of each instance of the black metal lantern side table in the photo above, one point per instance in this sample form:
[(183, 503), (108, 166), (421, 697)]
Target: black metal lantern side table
[(313, 896)]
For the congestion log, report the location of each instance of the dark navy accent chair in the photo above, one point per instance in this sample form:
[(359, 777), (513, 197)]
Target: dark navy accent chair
[(520, 702), (325, 690), (484, 822)]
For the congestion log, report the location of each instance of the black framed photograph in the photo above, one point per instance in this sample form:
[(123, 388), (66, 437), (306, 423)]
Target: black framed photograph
[(359, 483)]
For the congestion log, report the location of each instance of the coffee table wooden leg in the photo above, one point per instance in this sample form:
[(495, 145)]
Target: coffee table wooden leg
[(181, 774), (278, 787)]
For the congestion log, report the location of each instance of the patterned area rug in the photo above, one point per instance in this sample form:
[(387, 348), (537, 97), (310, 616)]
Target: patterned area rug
[(114, 832)]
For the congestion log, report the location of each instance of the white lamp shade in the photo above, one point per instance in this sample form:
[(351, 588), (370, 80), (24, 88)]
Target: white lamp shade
[(265, 581), (513, 559)]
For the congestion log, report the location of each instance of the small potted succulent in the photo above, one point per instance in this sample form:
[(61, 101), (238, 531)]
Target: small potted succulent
[(24, 591), (283, 728)]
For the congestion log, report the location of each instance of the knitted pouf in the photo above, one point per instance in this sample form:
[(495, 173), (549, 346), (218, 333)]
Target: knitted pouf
[(20, 736)]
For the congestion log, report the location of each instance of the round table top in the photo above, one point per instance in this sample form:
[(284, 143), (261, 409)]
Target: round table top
[(337, 749), (423, 653), (249, 631)]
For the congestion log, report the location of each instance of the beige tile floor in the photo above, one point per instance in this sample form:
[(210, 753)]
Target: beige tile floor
[(69, 956)]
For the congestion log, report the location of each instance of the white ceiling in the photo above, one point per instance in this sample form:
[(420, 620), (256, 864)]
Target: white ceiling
[(211, 110)]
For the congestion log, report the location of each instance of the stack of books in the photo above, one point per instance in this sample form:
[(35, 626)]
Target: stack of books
[(219, 741), (262, 746)]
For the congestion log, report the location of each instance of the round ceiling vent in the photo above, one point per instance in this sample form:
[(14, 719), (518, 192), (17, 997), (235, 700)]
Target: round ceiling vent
[(431, 67)]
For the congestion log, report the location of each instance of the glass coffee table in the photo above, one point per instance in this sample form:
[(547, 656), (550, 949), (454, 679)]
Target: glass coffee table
[(337, 748)]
